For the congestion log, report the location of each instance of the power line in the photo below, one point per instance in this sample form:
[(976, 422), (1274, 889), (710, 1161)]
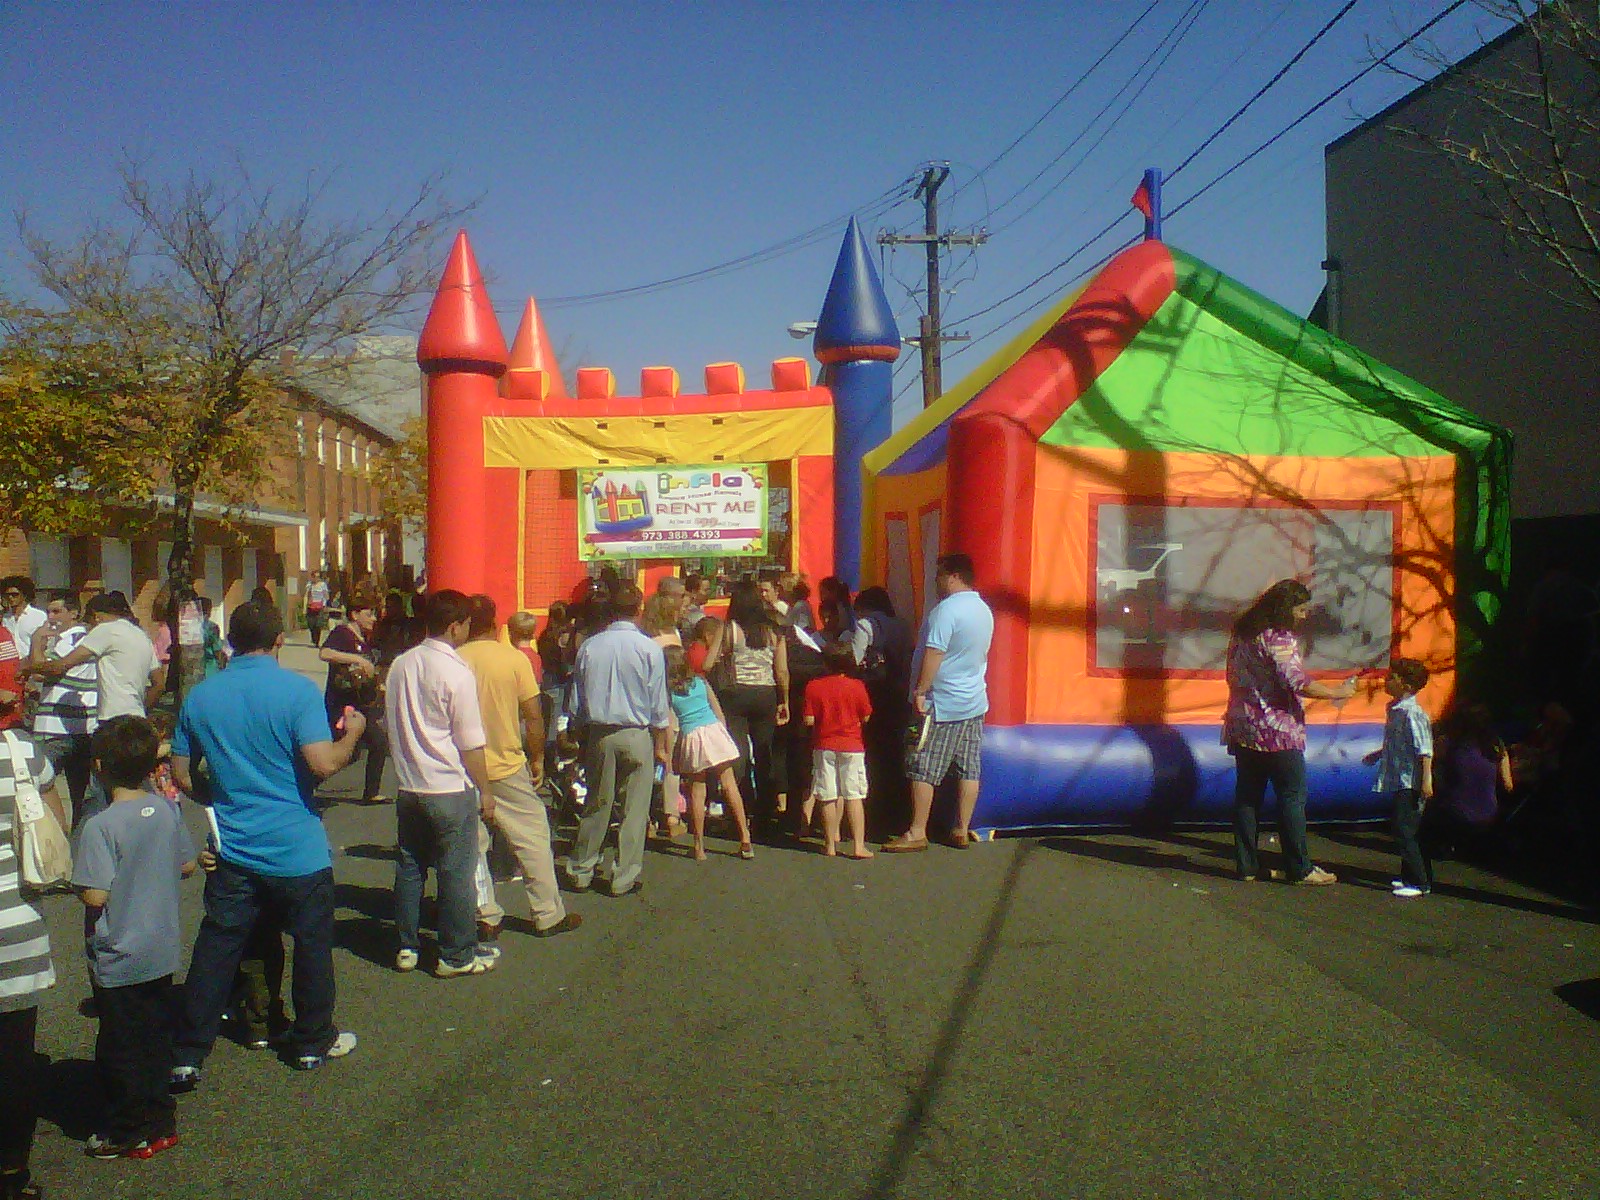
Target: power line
[(1082, 249), (1305, 116), (1059, 100), (876, 206), (1266, 87), (1182, 31), (1046, 274), (1319, 105)]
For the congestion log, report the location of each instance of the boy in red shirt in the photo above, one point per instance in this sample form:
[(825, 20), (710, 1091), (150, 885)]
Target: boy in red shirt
[(835, 707)]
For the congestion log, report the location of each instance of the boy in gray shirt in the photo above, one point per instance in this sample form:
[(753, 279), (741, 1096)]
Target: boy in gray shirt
[(130, 859)]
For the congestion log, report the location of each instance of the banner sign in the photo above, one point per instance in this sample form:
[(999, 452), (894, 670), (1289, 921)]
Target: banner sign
[(717, 510)]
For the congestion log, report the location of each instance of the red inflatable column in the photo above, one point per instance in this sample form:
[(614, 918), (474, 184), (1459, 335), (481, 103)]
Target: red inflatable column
[(463, 354), (990, 518)]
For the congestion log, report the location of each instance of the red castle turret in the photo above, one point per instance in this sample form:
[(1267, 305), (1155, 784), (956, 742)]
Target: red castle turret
[(531, 359), (463, 354)]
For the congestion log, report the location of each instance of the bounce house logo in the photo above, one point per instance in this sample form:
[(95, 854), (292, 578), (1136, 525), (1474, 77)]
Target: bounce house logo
[(674, 511)]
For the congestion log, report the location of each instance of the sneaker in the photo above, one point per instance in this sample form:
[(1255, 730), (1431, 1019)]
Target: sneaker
[(152, 1147), (258, 1043), (182, 1080), (342, 1045), (1317, 877), (1396, 884), (566, 925), (104, 1148), (1406, 891), (406, 960), (481, 964)]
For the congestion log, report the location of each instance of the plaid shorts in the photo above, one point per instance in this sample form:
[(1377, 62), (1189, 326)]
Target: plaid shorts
[(958, 742)]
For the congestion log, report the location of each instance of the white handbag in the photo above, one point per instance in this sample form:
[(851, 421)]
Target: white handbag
[(44, 856)]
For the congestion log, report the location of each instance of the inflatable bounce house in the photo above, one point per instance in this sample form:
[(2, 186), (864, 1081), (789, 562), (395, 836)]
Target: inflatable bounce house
[(1127, 475), (529, 487)]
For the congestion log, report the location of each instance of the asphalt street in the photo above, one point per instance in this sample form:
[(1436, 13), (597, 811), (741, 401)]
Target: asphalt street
[(1097, 1016)]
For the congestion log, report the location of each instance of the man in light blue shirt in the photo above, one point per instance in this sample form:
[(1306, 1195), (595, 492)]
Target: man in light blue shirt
[(951, 695), (620, 695)]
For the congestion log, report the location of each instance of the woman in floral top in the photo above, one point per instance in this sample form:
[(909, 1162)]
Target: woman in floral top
[(1265, 727)]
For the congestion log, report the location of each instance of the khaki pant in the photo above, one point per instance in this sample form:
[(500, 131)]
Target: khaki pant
[(522, 817), (620, 764)]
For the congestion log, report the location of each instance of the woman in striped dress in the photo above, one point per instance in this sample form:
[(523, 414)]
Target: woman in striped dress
[(25, 972)]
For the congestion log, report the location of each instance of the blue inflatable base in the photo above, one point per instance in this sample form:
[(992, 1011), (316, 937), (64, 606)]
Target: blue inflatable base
[(1055, 776)]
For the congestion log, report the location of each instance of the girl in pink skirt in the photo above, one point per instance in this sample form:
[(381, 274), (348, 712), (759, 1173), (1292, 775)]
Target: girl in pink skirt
[(705, 750)]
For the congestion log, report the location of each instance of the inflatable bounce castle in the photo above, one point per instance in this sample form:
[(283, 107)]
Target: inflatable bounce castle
[(1127, 474)]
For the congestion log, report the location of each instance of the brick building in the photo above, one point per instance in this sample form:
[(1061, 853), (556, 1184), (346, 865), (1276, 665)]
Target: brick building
[(322, 511)]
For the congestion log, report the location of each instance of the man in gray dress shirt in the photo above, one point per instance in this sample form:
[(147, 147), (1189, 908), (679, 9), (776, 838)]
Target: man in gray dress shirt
[(620, 696)]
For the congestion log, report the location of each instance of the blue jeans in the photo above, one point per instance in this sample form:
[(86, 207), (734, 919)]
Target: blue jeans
[(235, 901), (1415, 868), (1286, 771), (441, 832), (69, 755)]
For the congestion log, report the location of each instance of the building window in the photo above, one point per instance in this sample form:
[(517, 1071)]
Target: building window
[(300, 531), (49, 562), (338, 451), (322, 451), (322, 543), (116, 566), (300, 435)]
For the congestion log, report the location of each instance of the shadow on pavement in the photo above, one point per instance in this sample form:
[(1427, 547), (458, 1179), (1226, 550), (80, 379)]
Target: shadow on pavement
[(1150, 857), (925, 1094), (371, 850), (1583, 995), (1459, 891), (370, 933), (69, 1097)]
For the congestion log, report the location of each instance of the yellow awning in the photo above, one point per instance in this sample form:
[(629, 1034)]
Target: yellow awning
[(563, 443)]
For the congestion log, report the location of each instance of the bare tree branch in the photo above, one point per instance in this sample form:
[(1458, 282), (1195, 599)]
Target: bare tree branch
[(1524, 136)]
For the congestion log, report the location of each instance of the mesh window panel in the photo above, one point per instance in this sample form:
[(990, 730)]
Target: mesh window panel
[(897, 566), (1171, 580)]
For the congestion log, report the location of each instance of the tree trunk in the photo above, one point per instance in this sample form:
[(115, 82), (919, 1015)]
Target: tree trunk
[(187, 666)]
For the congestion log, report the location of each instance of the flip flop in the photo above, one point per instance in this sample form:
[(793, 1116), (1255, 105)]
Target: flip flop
[(902, 845)]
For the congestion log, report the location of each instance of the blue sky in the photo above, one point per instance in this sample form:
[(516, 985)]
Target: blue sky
[(613, 145)]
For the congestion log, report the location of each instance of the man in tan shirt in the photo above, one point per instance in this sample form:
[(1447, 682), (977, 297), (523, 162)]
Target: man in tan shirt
[(508, 698)]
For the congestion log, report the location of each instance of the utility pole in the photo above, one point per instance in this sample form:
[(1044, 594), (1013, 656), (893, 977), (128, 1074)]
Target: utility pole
[(930, 334)]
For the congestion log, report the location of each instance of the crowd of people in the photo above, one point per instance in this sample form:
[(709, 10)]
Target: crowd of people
[(615, 708), (788, 717)]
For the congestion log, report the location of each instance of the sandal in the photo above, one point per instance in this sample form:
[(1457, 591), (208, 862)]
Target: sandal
[(905, 845), (746, 851)]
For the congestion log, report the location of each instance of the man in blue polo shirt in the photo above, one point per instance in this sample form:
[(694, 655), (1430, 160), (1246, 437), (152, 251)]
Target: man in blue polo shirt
[(262, 732)]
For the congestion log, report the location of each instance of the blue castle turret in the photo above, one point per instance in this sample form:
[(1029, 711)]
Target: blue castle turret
[(856, 342)]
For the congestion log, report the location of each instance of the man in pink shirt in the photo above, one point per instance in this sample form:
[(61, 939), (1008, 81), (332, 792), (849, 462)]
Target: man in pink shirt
[(437, 740)]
